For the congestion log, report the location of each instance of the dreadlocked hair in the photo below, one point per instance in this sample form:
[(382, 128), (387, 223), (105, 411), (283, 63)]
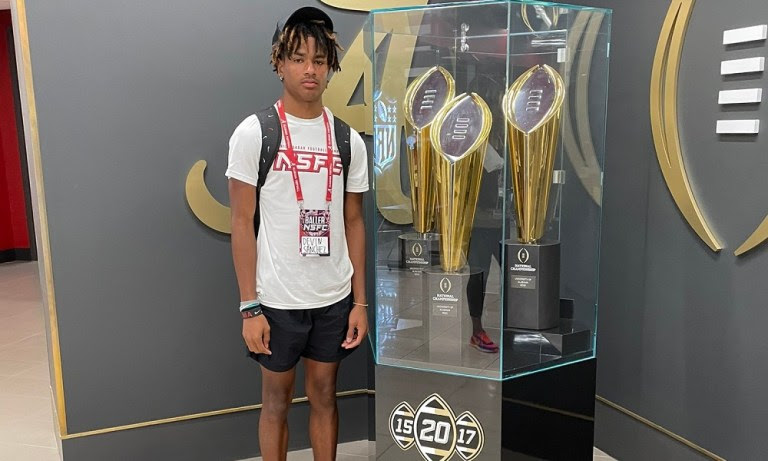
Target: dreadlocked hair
[(293, 35)]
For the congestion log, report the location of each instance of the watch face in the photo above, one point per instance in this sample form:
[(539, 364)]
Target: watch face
[(462, 127), (533, 102)]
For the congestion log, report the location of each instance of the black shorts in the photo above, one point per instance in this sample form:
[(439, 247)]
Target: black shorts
[(316, 334)]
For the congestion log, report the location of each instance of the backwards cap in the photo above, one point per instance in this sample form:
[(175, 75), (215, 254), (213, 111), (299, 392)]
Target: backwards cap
[(304, 14)]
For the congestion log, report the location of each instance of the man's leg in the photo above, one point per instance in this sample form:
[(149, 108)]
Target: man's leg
[(276, 396), (320, 383)]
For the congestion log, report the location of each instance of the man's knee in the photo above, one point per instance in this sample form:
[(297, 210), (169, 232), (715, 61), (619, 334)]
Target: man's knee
[(322, 393), (276, 404), (276, 396)]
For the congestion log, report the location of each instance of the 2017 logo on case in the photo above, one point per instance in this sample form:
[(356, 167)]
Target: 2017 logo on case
[(435, 431)]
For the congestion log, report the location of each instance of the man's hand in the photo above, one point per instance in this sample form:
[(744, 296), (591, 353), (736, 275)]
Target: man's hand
[(358, 327), (256, 334)]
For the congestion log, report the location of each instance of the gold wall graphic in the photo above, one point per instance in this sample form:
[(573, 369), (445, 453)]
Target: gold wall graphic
[(665, 128), (759, 236), (664, 123), (207, 209)]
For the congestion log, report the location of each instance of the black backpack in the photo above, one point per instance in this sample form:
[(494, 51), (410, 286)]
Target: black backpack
[(271, 135)]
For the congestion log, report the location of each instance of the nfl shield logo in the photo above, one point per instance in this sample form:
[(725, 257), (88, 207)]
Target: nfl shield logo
[(385, 133)]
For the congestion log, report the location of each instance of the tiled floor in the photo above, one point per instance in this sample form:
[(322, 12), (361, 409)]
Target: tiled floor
[(357, 451), (26, 410), (352, 451), (598, 455)]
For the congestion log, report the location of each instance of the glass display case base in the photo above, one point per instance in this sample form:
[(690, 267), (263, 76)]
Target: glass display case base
[(426, 415)]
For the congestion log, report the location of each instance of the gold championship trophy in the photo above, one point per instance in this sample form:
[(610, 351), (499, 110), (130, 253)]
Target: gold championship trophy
[(459, 138), (532, 276), (424, 97)]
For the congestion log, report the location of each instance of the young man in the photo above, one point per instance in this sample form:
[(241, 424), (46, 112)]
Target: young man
[(302, 281)]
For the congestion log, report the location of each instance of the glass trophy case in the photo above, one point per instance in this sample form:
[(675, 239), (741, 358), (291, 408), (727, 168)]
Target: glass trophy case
[(489, 127)]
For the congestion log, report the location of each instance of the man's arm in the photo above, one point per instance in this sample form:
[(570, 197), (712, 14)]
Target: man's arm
[(242, 200), (354, 227)]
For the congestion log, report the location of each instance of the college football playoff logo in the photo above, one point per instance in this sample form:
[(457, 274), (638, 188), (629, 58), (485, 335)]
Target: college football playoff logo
[(435, 431), (445, 285), (523, 256), (416, 249)]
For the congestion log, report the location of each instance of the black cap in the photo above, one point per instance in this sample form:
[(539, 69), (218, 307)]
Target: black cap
[(304, 14)]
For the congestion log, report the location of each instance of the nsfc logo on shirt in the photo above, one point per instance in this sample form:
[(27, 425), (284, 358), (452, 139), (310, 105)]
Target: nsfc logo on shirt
[(308, 162), (435, 431)]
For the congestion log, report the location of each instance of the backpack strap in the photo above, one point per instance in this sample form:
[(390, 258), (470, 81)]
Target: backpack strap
[(270, 143), (342, 132)]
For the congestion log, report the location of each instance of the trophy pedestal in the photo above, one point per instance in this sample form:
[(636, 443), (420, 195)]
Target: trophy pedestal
[(516, 419), (532, 285), (450, 296), (419, 251)]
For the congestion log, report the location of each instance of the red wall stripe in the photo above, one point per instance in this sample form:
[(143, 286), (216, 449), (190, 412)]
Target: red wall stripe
[(13, 218)]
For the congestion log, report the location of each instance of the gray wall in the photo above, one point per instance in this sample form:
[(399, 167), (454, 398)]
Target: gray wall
[(129, 96), (681, 329)]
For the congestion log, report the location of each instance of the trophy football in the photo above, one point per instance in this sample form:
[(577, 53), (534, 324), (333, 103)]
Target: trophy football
[(459, 139), (532, 107), (424, 98)]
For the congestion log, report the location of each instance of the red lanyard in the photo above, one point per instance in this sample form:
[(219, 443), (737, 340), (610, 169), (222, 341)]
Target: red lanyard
[(292, 155)]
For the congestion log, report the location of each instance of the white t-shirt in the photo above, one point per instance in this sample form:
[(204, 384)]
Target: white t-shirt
[(284, 278)]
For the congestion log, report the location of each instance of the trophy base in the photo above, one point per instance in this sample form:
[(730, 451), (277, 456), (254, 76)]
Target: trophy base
[(532, 285), (419, 251), (451, 296)]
